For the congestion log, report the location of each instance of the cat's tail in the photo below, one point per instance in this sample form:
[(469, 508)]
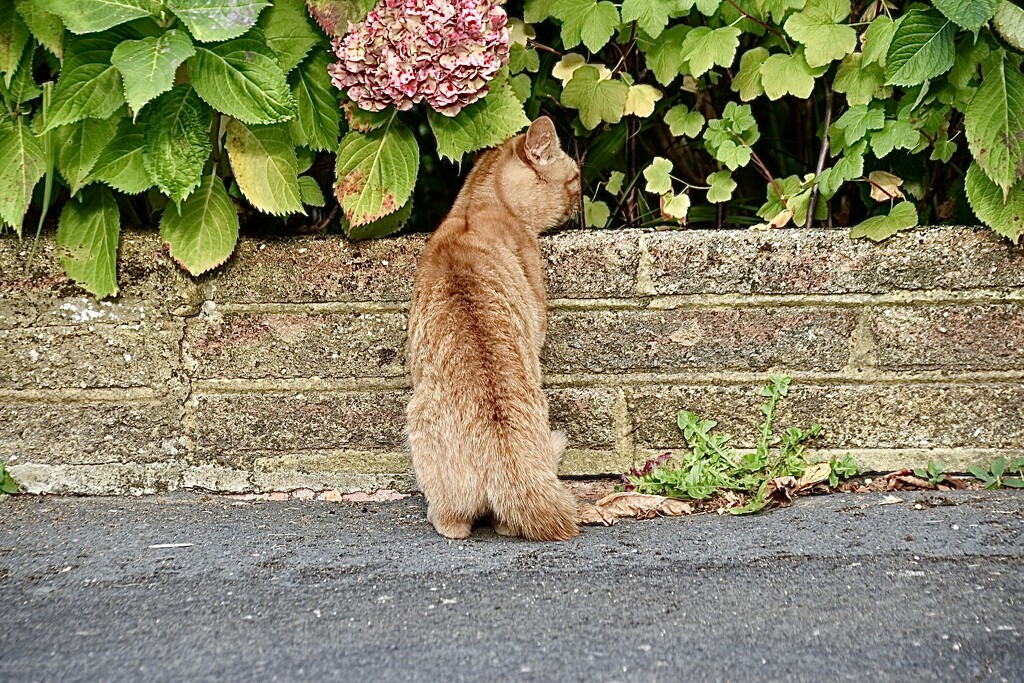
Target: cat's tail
[(532, 503)]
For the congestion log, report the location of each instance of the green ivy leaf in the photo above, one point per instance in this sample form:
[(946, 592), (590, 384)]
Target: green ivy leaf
[(89, 86), (818, 28), (204, 234), (265, 167), (995, 123), (147, 65), (310, 192), (334, 16), (704, 48), (722, 186), (120, 164), (13, 38), (79, 146), (485, 123), (783, 74), (376, 172), (289, 32), (595, 213), (47, 27), (22, 164), (683, 122), (596, 99), (317, 121), (1000, 210), (176, 144), (651, 16), (903, 216), (921, 49), (215, 20), (87, 238), (895, 134), (877, 39), (658, 176), (1009, 23), (858, 81), (242, 79), (664, 54), (90, 16), (968, 14), (747, 81), (588, 21)]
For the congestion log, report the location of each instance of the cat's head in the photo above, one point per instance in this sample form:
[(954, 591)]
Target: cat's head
[(539, 182)]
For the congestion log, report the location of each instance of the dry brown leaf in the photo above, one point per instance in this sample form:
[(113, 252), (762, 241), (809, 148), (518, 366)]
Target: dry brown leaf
[(778, 221), (815, 474), (616, 506), (885, 186)]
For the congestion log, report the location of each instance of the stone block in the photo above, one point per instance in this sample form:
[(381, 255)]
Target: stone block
[(591, 264), (667, 341), (585, 414), (262, 345)]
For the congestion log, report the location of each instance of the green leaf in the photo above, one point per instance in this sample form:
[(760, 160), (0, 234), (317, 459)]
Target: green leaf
[(858, 81), (877, 39), (779, 8), (588, 21), (147, 65), (747, 81), (847, 167), (485, 123), (995, 123), (523, 59), (79, 146), (289, 32), (641, 99), (215, 20), (1003, 212), (381, 227), (722, 186), (120, 164), (1009, 23), (317, 121), (334, 16), (596, 99), (22, 164), (310, 192), (658, 176), (204, 234), (241, 78), (87, 238), (522, 86), (664, 54), (176, 142), (13, 38), (857, 121), (942, 149), (651, 16), (47, 27), (903, 216), (921, 49), (615, 180), (704, 48), (783, 74), (818, 28), (376, 172), (968, 14), (265, 167), (89, 86), (895, 134), (683, 122), (90, 16), (595, 213), (23, 87)]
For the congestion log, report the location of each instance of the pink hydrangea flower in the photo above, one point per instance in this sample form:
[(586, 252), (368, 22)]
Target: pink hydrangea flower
[(442, 52)]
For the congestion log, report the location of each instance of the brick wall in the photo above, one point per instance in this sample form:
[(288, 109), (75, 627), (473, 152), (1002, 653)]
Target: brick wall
[(287, 368)]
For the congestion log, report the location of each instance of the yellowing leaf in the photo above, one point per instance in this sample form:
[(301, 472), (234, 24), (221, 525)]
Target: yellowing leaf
[(640, 100), (658, 176), (520, 32), (675, 206), (595, 213), (265, 167), (567, 66)]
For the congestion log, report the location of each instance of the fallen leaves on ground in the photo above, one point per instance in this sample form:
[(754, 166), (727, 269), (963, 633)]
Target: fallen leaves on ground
[(608, 510)]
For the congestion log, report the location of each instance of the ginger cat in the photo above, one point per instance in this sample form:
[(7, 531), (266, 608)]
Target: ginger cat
[(478, 418)]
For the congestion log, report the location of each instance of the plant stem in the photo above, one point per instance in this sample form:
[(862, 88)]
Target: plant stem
[(762, 23), (813, 204)]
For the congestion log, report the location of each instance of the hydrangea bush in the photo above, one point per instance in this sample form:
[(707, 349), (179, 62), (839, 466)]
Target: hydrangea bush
[(202, 116)]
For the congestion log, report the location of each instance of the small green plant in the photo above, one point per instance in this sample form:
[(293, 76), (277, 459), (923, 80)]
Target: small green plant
[(934, 473), (7, 483), (994, 476), (713, 467), (841, 468)]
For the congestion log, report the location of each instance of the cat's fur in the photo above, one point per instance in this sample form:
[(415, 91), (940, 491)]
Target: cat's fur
[(478, 419)]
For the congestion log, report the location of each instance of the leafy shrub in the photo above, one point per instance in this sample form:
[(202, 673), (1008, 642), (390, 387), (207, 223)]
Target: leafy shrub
[(188, 113)]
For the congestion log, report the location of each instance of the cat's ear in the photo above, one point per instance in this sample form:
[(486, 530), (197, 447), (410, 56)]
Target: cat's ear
[(541, 145)]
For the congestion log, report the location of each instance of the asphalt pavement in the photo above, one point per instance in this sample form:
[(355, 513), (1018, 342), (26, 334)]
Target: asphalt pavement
[(203, 588)]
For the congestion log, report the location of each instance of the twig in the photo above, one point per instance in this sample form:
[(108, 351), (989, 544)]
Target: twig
[(762, 23), (813, 204), (880, 188), (544, 48)]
